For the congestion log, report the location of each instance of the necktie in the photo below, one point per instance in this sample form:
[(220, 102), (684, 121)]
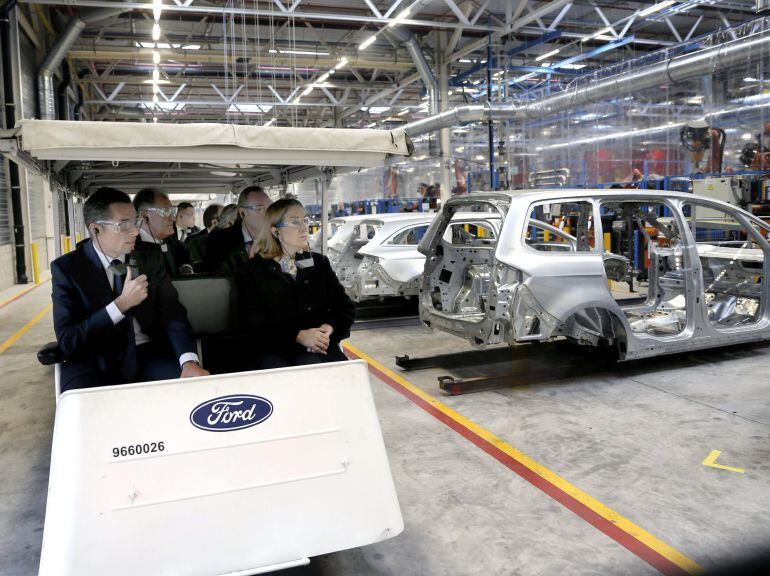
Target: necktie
[(127, 356), (117, 278)]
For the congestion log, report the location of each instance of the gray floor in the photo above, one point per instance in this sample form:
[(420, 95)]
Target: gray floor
[(634, 439)]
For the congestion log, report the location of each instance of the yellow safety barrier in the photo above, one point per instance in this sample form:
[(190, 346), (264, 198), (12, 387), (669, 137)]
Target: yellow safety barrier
[(35, 265), (77, 237)]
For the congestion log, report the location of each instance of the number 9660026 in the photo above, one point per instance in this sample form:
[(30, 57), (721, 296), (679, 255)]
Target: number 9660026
[(137, 449)]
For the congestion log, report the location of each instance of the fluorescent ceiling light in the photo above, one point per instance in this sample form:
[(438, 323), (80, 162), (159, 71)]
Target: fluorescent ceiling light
[(656, 8), (323, 78), (157, 8), (372, 125), (156, 57), (151, 81), (368, 42), (165, 46), (525, 77), (299, 52), (572, 66), (155, 75), (404, 111), (341, 63), (375, 109), (307, 91), (547, 55), (250, 108), (465, 61), (401, 16), (156, 31), (269, 122), (223, 174)]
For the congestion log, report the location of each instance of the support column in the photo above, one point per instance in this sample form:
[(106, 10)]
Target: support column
[(445, 150)]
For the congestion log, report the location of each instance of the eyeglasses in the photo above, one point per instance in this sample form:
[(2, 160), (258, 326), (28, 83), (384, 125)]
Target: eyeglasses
[(123, 225), (164, 212), (253, 208), (295, 223)]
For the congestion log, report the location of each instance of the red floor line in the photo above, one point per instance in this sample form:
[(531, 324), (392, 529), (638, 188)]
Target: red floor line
[(24, 292), (653, 558)]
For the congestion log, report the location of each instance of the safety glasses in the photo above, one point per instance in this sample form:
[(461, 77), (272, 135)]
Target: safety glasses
[(163, 212), (295, 223), (122, 226)]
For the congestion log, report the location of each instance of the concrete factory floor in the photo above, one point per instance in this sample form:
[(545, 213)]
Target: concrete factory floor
[(598, 474)]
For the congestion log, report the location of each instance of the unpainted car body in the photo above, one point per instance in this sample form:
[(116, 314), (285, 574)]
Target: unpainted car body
[(339, 225), (384, 231), (696, 269), (391, 263)]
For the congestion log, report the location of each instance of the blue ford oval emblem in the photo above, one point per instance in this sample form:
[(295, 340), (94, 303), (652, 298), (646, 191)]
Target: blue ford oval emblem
[(231, 413)]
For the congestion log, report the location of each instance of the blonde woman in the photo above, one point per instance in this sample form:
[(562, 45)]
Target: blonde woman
[(289, 298)]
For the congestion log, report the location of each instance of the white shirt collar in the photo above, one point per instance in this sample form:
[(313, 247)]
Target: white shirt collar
[(104, 259), (147, 237), (246, 236)]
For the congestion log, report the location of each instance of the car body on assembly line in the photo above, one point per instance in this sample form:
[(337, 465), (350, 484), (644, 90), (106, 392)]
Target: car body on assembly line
[(648, 272), (390, 236), (338, 225)]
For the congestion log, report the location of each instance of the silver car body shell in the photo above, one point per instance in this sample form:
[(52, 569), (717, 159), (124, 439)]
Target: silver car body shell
[(389, 269), (521, 278), (344, 251)]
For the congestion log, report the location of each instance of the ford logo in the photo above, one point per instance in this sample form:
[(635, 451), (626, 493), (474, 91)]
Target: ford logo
[(231, 413)]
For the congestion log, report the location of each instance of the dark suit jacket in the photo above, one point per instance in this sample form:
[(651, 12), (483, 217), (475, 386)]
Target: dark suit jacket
[(196, 246), (226, 250), (84, 330), (275, 307)]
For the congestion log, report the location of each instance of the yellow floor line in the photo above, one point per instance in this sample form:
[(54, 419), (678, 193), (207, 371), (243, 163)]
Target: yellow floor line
[(606, 512), (22, 293), (13, 339)]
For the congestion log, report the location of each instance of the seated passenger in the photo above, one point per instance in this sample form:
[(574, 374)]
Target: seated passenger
[(228, 249), (115, 324), (185, 221), (196, 243), (157, 217), (289, 298)]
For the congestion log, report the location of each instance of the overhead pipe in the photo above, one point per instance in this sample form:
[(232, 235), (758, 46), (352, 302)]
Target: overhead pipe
[(75, 25), (401, 36), (674, 69)]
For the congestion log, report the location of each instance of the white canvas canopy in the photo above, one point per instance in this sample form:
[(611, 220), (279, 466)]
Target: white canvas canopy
[(131, 141), (287, 154)]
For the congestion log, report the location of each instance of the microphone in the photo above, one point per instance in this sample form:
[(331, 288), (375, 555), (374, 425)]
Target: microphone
[(133, 265)]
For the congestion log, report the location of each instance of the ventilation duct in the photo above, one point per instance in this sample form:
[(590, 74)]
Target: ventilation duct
[(45, 85), (675, 69)]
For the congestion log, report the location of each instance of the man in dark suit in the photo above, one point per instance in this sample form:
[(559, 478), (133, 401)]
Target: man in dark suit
[(228, 249), (114, 324), (196, 243), (158, 215), (185, 221)]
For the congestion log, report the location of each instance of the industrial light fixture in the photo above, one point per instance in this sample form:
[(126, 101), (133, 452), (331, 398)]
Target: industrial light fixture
[(324, 77), (403, 112), (155, 88), (600, 35), (154, 98), (547, 55), (155, 74), (156, 31), (368, 42), (155, 57), (157, 8), (656, 8), (401, 16), (298, 52), (307, 91), (269, 122), (341, 63)]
